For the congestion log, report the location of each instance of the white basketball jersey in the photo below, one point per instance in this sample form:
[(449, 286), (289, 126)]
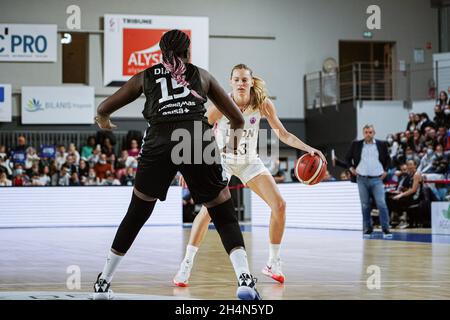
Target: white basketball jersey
[(249, 140)]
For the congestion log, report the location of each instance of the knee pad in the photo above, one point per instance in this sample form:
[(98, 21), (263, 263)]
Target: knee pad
[(227, 225), (138, 213)]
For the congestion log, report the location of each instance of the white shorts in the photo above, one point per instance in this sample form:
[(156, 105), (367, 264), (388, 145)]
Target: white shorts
[(244, 171)]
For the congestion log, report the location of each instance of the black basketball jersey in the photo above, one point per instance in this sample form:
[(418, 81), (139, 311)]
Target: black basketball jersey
[(168, 101)]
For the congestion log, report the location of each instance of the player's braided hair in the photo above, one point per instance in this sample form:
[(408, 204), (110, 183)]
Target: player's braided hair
[(174, 46), (258, 93)]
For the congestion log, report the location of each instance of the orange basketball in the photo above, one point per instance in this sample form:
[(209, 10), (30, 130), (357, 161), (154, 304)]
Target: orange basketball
[(310, 169)]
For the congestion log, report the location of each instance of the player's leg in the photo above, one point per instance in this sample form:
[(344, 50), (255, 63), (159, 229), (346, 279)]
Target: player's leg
[(198, 231), (264, 186), (207, 186), (160, 174)]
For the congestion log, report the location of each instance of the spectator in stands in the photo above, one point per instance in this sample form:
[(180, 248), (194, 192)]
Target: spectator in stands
[(33, 170), (410, 193), (4, 181), (411, 155), (402, 179), (134, 150), (70, 164), (63, 176), (430, 137), (412, 123), (443, 100), (20, 179), (124, 162), (128, 178), (425, 122), (74, 180), (86, 151), (392, 145), (83, 169), (34, 181), (102, 166), (107, 148), (95, 156), (441, 136), (44, 177), (21, 144), (417, 141), (110, 180), (72, 151), (427, 160), (31, 158), (345, 175), (61, 156), (440, 161), (439, 116), (92, 179), (368, 160)]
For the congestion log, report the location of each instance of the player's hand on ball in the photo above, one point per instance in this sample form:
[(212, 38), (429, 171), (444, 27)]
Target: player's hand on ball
[(313, 151), (104, 122)]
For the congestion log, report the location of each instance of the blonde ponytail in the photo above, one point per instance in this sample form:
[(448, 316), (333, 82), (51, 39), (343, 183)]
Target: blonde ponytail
[(258, 92)]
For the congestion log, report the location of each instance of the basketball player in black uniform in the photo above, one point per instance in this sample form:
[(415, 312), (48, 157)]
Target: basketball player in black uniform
[(175, 92)]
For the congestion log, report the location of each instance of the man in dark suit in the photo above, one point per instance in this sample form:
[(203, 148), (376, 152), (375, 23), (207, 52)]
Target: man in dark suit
[(368, 161)]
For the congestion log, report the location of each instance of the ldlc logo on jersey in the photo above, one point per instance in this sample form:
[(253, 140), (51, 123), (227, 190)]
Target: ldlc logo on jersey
[(141, 49)]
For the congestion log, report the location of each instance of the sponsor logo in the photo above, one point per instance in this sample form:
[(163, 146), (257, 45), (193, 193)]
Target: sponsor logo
[(252, 120), (34, 105), (141, 49)]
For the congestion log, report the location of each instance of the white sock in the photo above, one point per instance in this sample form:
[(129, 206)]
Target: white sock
[(190, 253), (112, 261), (274, 252), (239, 260)]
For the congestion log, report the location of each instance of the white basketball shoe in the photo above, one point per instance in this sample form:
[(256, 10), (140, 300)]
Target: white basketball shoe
[(273, 270), (181, 279)]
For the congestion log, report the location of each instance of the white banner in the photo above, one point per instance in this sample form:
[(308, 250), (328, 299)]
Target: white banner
[(58, 105), (131, 43), (327, 205), (89, 206), (5, 103), (28, 42), (440, 217)]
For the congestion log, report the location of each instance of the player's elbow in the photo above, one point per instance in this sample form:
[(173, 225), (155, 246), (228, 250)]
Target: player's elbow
[(101, 109)]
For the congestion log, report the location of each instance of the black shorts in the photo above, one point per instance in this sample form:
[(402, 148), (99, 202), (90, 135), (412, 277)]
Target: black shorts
[(156, 170)]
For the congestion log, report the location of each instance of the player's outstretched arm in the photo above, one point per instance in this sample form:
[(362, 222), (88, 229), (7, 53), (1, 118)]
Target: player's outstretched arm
[(129, 92), (270, 113)]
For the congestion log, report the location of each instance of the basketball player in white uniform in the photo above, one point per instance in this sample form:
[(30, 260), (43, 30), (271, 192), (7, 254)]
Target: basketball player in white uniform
[(250, 95)]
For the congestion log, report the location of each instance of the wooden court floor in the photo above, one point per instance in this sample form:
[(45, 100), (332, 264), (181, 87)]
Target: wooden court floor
[(318, 264)]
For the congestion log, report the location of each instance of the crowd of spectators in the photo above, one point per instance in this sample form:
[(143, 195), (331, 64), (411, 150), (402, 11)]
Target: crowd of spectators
[(424, 140), (93, 164)]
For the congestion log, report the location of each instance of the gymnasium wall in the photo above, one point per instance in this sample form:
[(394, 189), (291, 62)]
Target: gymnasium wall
[(306, 32)]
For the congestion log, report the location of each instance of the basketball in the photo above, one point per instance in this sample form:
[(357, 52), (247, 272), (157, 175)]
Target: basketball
[(310, 169)]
